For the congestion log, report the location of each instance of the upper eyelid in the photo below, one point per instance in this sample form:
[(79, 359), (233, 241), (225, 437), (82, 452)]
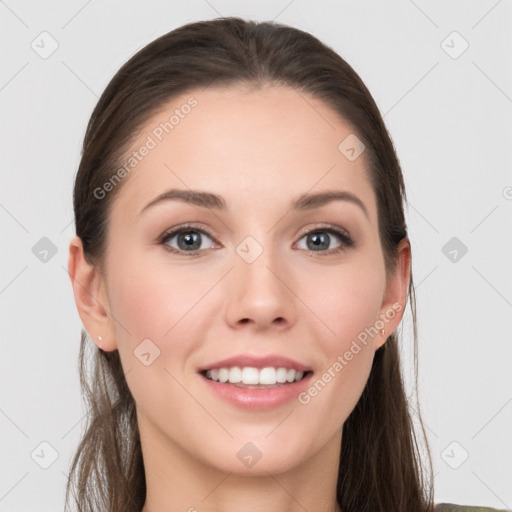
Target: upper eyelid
[(326, 227), (178, 229)]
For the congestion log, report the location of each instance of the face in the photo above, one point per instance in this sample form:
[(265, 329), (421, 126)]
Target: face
[(258, 279)]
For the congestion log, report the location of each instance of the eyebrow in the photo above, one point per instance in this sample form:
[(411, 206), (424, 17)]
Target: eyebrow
[(216, 202)]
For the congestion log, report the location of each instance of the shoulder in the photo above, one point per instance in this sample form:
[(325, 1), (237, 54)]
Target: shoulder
[(450, 507)]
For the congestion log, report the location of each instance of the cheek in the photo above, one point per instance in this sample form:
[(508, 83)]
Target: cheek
[(153, 307), (347, 302), (150, 302), (154, 310)]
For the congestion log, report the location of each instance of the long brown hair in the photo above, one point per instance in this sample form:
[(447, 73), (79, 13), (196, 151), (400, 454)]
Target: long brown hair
[(382, 467)]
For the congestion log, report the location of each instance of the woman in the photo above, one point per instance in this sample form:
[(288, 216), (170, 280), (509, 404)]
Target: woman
[(242, 265)]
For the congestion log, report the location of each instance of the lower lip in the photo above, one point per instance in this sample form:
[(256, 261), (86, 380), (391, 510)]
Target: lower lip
[(257, 399)]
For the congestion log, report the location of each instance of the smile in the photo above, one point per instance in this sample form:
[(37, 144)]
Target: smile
[(254, 377)]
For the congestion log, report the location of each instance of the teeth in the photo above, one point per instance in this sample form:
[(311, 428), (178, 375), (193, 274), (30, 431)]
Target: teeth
[(249, 375), (281, 375), (223, 374), (267, 376), (235, 375)]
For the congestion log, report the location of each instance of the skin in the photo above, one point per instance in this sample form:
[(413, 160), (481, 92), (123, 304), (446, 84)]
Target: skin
[(259, 149)]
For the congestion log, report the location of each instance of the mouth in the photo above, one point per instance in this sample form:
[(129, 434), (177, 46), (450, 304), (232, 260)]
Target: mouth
[(256, 382), (249, 377)]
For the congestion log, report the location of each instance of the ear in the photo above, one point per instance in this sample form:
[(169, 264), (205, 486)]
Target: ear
[(90, 297), (395, 293)]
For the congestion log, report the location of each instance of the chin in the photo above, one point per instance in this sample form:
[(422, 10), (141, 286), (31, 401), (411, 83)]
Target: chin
[(256, 457)]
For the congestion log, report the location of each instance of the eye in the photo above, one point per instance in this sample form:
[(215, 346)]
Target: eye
[(319, 239), (188, 238)]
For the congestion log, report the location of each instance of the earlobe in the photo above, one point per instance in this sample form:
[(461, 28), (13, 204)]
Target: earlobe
[(90, 297), (395, 295)]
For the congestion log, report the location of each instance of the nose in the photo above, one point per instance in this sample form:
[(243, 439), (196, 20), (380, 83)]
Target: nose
[(260, 295)]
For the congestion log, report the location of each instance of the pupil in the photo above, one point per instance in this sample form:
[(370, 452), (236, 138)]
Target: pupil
[(315, 237), (189, 240)]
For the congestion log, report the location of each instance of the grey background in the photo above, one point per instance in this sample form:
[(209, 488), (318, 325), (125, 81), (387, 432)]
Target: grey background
[(449, 116)]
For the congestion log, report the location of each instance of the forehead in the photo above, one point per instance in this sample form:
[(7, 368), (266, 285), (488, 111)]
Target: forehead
[(270, 144)]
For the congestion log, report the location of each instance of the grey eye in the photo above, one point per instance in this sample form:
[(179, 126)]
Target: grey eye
[(319, 239), (188, 240)]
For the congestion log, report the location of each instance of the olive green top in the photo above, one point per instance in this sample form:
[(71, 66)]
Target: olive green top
[(449, 507)]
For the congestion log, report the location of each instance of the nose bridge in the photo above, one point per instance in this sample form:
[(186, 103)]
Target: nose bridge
[(256, 263), (259, 291)]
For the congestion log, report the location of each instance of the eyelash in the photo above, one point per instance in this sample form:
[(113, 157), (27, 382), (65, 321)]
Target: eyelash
[(346, 241)]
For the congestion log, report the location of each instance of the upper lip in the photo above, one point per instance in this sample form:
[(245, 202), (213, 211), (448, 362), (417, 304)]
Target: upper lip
[(253, 361)]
